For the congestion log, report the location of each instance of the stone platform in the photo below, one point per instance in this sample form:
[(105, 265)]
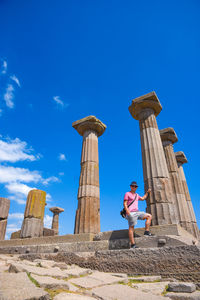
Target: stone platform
[(166, 235)]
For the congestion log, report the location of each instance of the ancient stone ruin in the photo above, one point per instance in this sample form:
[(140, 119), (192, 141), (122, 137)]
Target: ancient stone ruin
[(88, 212), (173, 251), (4, 210)]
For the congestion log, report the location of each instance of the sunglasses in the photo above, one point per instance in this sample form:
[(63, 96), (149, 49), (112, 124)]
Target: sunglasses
[(134, 186)]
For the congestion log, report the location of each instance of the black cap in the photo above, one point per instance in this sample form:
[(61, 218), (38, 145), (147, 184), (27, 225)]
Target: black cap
[(134, 183)]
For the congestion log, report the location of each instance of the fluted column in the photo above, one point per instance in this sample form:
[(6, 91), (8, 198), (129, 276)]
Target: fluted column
[(181, 159), (156, 176), (169, 137), (32, 225), (55, 222), (88, 212), (4, 210)]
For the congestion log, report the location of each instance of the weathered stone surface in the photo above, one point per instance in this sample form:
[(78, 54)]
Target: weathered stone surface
[(15, 235), (184, 296), (65, 296), (155, 172), (96, 279), (21, 267), (31, 227), (19, 287), (48, 232), (169, 137), (89, 123), (122, 292), (181, 159), (181, 287), (51, 283), (146, 278), (3, 224), (88, 212), (156, 288), (4, 208), (35, 204), (55, 222)]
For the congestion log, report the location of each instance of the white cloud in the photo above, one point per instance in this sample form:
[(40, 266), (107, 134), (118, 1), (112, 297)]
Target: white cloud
[(4, 67), (16, 80), (60, 102), (62, 156), (47, 221), (18, 216), (18, 188), (15, 150), (12, 228), (18, 198), (9, 95), (61, 173), (11, 174), (50, 179)]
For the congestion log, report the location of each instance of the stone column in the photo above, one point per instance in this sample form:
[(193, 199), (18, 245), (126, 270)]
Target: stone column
[(4, 210), (156, 176), (181, 159), (169, 137), (32, 225), (88, 212), (55, 222)]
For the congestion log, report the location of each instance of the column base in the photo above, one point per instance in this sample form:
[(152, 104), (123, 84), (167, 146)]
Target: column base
[(31, 227)]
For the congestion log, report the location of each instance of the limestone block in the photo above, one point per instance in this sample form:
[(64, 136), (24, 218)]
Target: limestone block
[(35, 204), (170, 158), (162, 213), (15, 235), (67, 296), (4, 207), (140, 104), (3, 224), (161, 190), (51, 283), (89, 123), (88, 215), (154, 162), (88, 191), (90, 147), (89, 173), (31, 227), (48, 232), (19, 287), (182, 287)]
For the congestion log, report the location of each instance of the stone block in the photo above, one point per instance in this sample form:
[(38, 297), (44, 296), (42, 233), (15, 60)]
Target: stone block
[(31, 227), (48, 232), (183, 296), (162, 213), (3, 224), (182, 287), (15, 235), (18, 286), (51, 283), (66, 296), (161, 190), (4, 207), (35, 204)]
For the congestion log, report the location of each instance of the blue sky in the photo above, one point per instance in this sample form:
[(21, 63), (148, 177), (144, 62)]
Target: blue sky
[(64, 60)]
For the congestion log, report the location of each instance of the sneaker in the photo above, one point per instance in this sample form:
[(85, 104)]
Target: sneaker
[(133, 246), (148, 233)]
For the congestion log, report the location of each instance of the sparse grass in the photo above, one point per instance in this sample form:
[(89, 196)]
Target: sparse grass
[(53, 293), (165, 291), (32, 279), (122, 282)]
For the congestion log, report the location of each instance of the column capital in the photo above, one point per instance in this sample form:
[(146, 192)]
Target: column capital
[(148, 101), (168, 135), (180, 157), (89, 123), (56, 209)]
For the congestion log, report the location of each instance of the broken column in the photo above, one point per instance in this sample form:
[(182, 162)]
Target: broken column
[(181, 159), (4, 210), (32, 225), (55, 222), (160, 203), (169, 137), (88, 212)]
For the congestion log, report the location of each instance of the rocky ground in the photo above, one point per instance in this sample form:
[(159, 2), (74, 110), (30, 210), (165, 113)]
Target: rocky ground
[(47, 279)]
